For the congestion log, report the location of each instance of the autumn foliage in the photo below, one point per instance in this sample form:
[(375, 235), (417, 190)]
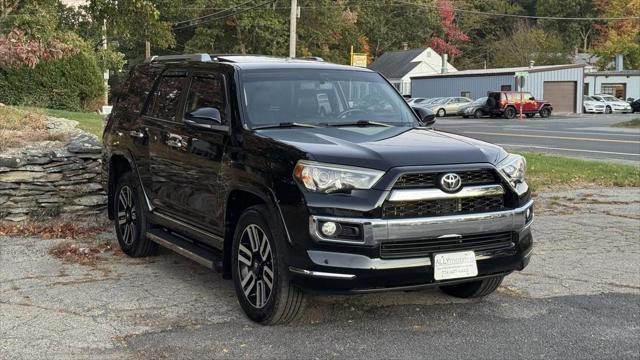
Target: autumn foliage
[(17, 50), (451, 33)]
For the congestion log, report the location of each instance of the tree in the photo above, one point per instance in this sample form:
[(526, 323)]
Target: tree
[(527, 43), (619, 36), (17, 50), (450, 35), (573, 32)]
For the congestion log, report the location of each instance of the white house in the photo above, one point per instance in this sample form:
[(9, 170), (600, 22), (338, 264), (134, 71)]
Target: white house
[(400, 66)]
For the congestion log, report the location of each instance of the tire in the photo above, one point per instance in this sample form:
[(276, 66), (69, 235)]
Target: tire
[(131, 218), (509, 113), (545, 112), (529, 115), (465, 116), (256, 254), (474, 289), (441, 113), (607, 110), (477, 114)]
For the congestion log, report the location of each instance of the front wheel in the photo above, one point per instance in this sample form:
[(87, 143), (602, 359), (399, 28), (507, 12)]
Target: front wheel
[(259, 273), (473, 289), (477, 114), (545, 112), (607, 110), (441, 113), (509, 113)]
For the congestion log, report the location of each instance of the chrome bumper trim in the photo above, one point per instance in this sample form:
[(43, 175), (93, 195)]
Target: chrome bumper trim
[(375, 231), (320, 274), (437, 194), (361, 262)]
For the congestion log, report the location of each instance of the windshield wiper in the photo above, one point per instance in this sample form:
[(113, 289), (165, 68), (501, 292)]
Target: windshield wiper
[(361, 123), (283, 125)]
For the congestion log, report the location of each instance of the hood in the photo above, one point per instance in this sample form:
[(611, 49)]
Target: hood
[(383, 148), (592, 103)]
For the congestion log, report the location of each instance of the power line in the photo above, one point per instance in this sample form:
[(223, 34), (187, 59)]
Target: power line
[(477, 12), (240, 11), (216, 13)]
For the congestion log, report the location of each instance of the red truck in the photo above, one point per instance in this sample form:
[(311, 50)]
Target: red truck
[(510, 103)]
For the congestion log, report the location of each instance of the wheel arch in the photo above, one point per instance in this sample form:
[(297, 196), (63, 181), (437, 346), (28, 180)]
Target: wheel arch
[(119, 163)]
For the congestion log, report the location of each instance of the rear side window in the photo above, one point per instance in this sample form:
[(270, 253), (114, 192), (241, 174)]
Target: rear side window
[(167, 97), (206, 91), (132, 95)]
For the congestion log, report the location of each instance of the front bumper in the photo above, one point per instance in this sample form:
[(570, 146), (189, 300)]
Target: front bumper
[(348, 271)]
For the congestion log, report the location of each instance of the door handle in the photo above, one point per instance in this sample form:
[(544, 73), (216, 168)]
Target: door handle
[(137, 134)]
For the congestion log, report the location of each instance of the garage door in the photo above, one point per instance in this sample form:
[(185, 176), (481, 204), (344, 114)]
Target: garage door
[(561, 95)]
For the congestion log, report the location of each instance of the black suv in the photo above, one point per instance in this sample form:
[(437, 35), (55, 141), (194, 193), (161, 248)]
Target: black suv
[(293, 175)]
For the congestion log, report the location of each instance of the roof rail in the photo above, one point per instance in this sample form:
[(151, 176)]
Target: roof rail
[(187, 57)]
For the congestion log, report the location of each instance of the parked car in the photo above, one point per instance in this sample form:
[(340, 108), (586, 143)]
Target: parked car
[(591, 105), (612, 104), (509, 104), (478, 108), (635, 106), (448, 106), (201, 158), (416, 101)]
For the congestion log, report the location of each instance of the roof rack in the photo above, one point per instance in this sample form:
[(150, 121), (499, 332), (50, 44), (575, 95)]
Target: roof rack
[(187, 57), (310, 58)]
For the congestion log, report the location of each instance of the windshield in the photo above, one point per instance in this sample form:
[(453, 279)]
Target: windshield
[(610, 98), (480, 101), (589, 98), (439, 101), (321, 97)]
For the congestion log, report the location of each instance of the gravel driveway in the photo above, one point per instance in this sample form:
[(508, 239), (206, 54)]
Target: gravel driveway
[(579, 298)]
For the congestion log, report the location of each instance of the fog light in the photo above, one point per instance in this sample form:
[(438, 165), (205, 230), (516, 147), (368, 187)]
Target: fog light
[(329, 228), (529, 214)]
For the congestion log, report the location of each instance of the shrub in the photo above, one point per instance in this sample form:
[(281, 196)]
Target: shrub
[(68, 83)]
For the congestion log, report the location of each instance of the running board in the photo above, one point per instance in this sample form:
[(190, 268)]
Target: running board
[(199, 254)]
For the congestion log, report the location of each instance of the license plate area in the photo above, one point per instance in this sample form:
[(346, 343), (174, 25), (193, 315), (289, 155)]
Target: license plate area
[(454, 265)]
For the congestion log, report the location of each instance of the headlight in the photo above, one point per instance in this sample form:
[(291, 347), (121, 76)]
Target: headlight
[(330, 178), (512, 169)]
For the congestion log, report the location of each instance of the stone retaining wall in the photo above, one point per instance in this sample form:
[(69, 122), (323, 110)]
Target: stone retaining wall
[(50, 179)]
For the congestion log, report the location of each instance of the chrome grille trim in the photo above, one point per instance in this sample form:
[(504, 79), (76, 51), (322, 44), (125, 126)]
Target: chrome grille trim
[(437, 194)]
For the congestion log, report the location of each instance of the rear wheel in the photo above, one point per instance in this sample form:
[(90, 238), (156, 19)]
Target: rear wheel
[(607, 110), (477, 114), (473, 289), (441, 113), (260, 275), (130, 218), (509, 113), (545, 112)]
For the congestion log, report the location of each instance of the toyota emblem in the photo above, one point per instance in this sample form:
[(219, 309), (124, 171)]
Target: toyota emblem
[(450, 182)]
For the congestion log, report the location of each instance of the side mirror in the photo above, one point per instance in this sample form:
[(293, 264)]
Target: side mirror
[(427, 116), (204, 118)]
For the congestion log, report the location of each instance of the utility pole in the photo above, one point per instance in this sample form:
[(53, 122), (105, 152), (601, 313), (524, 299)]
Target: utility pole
[(147, 49), (105, 75), (292, 28)]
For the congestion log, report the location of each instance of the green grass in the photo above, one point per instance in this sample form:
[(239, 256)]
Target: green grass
[(89, 122), (635, 123), (557, 172)]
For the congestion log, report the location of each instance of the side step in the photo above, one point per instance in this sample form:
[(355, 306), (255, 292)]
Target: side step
[(209, 258)]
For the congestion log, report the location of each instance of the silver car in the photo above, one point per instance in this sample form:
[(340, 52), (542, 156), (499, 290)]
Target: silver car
[(612, 104), (449, 106)]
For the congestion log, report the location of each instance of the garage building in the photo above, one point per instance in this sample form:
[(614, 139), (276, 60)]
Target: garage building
[(561, 85), (622, 84)]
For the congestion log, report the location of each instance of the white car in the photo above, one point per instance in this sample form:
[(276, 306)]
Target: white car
[(591, 105), (612, 104)]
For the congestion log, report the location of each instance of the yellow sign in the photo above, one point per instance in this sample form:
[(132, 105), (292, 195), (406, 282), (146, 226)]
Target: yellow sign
[(359, 59)]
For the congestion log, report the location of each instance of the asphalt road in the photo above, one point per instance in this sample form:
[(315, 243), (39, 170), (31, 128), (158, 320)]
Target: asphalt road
[(586, 136), (579, 298)]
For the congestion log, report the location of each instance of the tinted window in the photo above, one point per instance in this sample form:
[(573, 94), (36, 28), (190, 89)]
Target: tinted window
[(206, 91), (131, 96), (167, 97)]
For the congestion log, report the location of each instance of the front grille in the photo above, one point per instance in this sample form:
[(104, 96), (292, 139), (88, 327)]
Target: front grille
[(426, 247), (442, 207), (430, 180)]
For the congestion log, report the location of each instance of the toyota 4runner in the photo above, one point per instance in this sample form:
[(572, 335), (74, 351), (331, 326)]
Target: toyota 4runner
[(291, 176)]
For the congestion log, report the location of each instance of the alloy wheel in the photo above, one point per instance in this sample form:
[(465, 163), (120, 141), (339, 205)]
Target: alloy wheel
[(126, 215), (255, 266)]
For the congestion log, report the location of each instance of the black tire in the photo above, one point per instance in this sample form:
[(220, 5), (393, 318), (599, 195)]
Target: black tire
[(473, 289), (509, 113), (465, 116), (131, 218), (529, 115), (441, 113), (477, 114), (545, 112), (608, 110), (284, 301)]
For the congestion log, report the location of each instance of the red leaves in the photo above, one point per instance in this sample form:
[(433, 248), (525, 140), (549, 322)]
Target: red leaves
[(17, 50), (444, 45), (55, 230)]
